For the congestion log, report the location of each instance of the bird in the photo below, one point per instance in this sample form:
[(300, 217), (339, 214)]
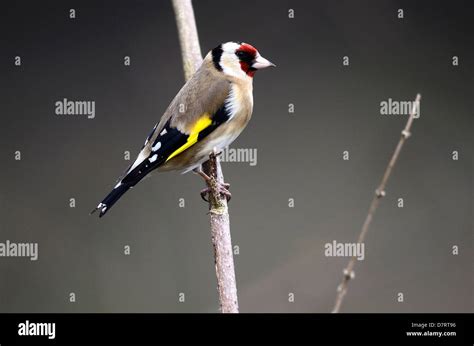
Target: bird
[(206, 115)]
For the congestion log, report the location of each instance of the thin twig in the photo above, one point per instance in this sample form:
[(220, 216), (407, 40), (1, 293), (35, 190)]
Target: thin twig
[(218, 211), (379, 194), (188, 36)]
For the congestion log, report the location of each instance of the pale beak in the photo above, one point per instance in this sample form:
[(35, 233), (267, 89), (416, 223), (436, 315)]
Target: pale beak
[(260, 62)]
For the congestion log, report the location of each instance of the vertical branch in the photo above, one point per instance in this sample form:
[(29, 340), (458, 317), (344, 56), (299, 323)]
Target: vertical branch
[(218, 211), (379, 194), (221, 239), (188, 36)]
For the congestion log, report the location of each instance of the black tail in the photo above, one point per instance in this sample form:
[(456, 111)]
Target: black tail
[(111, 198), (131, 177)]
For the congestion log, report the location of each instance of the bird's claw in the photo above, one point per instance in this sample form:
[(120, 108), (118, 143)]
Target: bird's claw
[(223, 189)]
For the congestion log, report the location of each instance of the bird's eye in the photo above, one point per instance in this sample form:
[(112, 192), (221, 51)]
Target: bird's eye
[(243, 55)]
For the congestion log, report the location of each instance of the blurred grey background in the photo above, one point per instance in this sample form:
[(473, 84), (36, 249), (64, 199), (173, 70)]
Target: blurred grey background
[(337, 108)]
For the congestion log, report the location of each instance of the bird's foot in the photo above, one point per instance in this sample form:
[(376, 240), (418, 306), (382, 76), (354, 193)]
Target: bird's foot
[(222, 188)]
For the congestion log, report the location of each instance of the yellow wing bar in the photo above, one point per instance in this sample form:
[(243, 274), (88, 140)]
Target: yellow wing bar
[(203, 122)]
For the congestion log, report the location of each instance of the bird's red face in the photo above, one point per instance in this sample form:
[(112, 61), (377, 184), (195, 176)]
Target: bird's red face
[(238, 60)]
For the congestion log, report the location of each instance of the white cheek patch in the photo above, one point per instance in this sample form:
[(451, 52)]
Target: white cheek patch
[(230, 65)]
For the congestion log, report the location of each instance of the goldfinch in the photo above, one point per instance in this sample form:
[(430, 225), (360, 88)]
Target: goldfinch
[(207, 114)]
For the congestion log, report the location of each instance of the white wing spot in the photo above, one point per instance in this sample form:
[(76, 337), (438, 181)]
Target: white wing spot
[(156, 146), (164, 132), (153, 158)]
